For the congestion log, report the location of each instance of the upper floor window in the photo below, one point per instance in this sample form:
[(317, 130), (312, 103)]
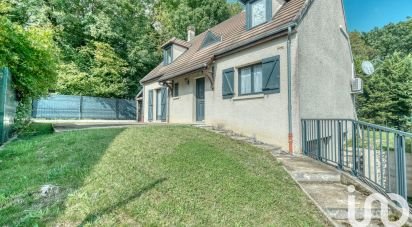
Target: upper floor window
[(258, 12), (167, 55)]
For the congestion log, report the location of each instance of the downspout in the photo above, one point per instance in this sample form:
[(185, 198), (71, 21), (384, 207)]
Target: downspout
[(290, 122)]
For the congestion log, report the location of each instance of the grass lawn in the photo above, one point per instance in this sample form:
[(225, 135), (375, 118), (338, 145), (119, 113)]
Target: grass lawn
[(154, 175)]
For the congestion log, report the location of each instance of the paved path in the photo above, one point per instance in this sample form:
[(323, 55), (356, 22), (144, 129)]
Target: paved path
[(326, 186), (73, 125)]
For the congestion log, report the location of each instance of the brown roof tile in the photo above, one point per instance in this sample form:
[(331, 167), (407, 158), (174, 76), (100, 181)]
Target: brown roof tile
[(233, 32), (177, 41)]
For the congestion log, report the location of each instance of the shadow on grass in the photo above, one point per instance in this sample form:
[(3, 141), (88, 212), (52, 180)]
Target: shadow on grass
[(63, 160), (91, 218), (36, 129)]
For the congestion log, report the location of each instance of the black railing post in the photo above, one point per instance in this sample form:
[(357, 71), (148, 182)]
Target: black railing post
[(81, 108), (354, 150), (319, 141), (340, 160), (305, 139), (117, 109), (401, 166)]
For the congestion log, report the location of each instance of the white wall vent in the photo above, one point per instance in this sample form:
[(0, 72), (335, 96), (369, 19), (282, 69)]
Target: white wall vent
[(357, 85)]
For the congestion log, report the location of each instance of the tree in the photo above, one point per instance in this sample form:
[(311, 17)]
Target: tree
[(387, 97), (104, 74), (31, 56), (391, 38)]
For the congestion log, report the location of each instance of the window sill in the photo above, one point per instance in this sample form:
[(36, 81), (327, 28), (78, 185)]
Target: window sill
[(246, 97)]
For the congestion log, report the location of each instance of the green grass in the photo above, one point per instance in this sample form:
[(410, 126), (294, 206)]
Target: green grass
[(36, 129), (154, 175)]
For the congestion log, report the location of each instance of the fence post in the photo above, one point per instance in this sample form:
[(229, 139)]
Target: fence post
[(117, 109), (81, 108), (354, 150), (340, 161), (319, 157), (401, 166)]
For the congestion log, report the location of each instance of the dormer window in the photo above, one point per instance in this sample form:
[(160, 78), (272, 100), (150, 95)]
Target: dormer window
[(258, 12), (167, 55)]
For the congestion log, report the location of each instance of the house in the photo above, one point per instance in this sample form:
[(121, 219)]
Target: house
[(258, 73)]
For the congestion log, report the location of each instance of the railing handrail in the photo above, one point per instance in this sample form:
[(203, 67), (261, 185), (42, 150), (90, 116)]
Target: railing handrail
[(408, 134)]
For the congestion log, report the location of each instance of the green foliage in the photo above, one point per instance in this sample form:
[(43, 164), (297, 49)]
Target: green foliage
[(175, 16), (103, 73), (31, 55), (23, 115), (387, 97), (130, 30), (391, 38)]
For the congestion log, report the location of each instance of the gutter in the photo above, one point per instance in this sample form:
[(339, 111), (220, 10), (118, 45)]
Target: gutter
[(290, 122)]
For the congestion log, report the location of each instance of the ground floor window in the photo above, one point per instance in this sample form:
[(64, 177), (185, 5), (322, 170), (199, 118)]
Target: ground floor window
[(158, 104), (250, 80), (176, 90)]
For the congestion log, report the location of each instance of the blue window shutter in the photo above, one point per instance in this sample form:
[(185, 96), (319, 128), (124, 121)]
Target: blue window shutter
[(248, 16), (164, 99), (150, 106), (268, 10), (271, 75), (228, 83)]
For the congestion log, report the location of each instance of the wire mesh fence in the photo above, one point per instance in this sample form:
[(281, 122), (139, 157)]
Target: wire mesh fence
[(66, 107), (8, 105)]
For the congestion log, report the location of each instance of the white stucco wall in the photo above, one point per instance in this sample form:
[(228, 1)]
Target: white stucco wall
[(324, 63), (183, 108), (262, 116), (177, 51), (276, 4), (147, 87)]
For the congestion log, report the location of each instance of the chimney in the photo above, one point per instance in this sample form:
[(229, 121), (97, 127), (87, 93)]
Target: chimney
[(191, 33)]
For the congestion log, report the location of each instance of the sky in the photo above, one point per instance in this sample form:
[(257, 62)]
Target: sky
[(364, 15)]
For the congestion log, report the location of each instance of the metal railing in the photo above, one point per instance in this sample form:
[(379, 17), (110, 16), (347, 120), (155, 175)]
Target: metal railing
[(377, 155)]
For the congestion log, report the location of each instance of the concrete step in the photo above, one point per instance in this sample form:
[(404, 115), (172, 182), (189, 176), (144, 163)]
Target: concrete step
[(373, 223), (321, 177), (333, 198), (267, 147)]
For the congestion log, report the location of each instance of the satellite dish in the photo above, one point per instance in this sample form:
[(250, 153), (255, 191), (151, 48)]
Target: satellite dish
[(368, 68)]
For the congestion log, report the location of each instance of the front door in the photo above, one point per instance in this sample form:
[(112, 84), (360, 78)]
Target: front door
[(200, 99)]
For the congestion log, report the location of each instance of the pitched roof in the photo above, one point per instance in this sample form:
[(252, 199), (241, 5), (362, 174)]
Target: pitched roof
[(177, 41), (233, 33)]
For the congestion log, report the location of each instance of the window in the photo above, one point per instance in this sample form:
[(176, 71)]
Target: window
[(158, 104), (150, 109), (167, 55), (176, 90), (258, 12), (250, 79)]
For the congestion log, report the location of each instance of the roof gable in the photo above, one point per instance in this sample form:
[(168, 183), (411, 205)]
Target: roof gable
[(210, 39), (233, 34)]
